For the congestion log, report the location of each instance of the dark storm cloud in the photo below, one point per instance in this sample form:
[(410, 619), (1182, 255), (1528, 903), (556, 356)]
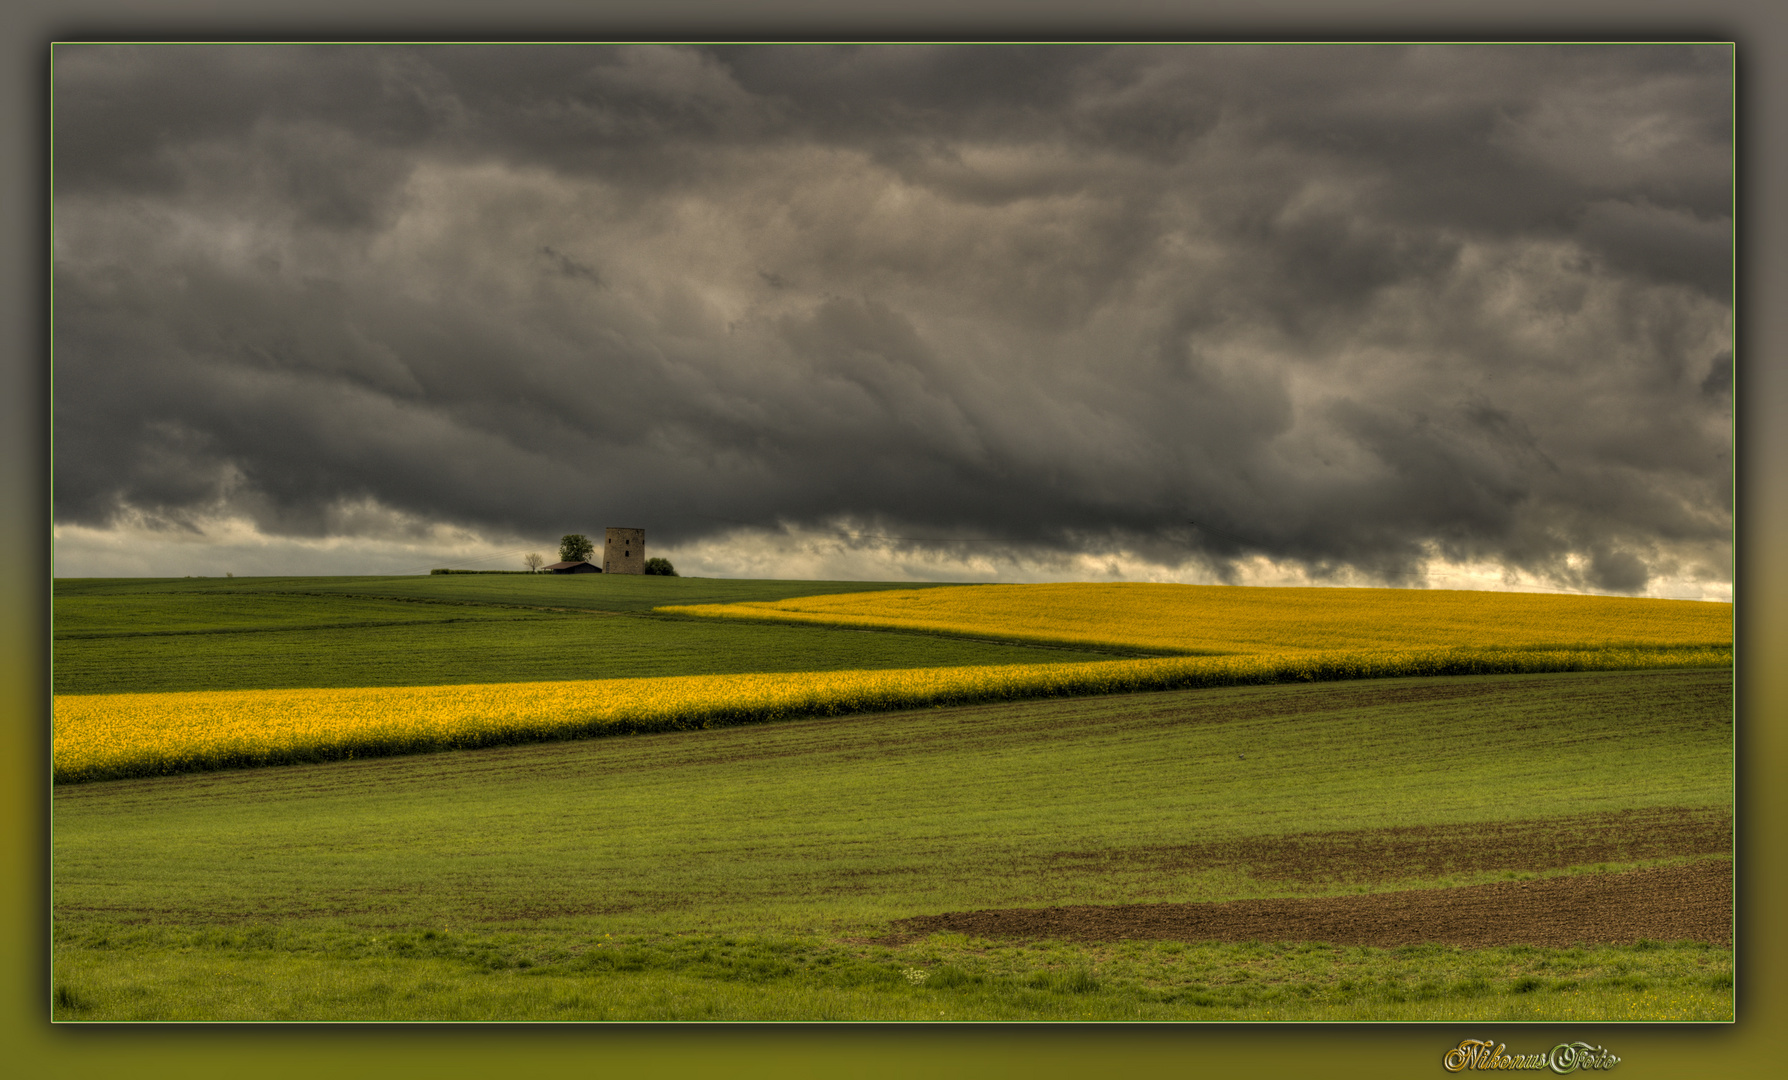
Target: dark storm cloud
[(1347, 306)]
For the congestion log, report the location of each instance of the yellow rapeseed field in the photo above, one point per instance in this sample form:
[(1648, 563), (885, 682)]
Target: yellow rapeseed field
[(101, 736), (1219, 620)]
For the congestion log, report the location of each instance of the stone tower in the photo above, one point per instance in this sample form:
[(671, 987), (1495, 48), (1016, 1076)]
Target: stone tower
[(625, 552)]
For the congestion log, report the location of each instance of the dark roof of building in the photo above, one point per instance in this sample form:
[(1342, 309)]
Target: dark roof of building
[(568, 565)]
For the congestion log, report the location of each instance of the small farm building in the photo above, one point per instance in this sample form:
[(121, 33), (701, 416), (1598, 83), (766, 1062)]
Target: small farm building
[(579, 567)]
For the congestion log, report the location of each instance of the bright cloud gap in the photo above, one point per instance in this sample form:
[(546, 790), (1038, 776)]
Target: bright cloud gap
[(234, 546)]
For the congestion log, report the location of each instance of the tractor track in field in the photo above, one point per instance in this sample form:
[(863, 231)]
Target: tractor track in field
[(1386, 855), (1687, 902)]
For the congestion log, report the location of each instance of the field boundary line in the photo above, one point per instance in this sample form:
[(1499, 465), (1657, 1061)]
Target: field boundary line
[(108, 736)]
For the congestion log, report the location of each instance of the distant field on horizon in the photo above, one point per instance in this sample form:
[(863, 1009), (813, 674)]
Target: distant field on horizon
[(137, 635), (1219, 620), (158, 677)]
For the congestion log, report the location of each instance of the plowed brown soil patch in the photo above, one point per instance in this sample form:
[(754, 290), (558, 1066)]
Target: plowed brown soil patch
[(1369, 855), (1691, 902)]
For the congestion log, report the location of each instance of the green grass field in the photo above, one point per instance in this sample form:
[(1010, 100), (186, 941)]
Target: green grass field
[(754, 873), (143, 636)]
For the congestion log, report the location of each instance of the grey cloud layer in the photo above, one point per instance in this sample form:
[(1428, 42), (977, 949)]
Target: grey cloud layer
[(1342, 305)]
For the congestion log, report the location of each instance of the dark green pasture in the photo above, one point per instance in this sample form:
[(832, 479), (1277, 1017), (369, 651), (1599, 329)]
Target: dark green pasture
[(591, 592), (151, 635), (752, 873)]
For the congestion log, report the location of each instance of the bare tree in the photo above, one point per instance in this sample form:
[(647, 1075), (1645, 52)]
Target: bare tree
[(533, 562)]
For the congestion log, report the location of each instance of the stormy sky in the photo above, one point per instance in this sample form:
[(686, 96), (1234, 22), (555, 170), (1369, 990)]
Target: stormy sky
[(1450, 316)]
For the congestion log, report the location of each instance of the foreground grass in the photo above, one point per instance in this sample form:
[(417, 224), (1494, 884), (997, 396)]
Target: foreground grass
[(443, 976), (742, 873), (804, 824)]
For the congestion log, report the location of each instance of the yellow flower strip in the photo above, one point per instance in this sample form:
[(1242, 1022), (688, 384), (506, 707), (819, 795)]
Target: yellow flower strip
[(102, 736), (1214, 619)]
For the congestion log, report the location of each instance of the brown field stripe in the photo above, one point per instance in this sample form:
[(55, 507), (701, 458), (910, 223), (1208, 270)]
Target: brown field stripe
[(1430, 851), (1691, 902)]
